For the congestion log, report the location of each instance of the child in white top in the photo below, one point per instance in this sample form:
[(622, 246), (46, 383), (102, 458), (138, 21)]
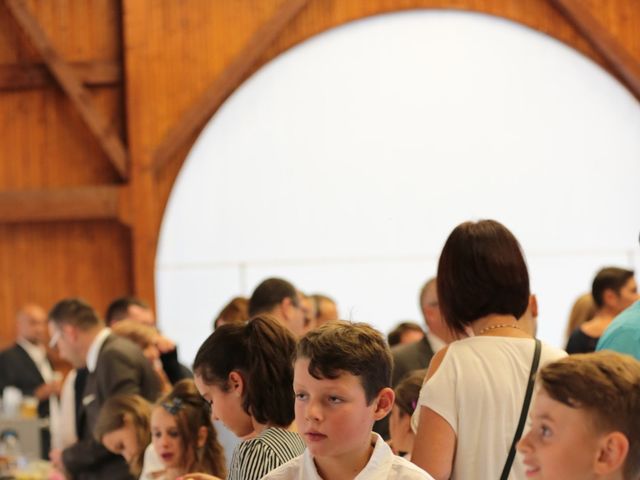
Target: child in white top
[(342, 374)]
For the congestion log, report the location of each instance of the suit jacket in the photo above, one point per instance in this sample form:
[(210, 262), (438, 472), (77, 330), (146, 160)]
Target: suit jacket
[(121, 369), (407, 357), (18, 369)]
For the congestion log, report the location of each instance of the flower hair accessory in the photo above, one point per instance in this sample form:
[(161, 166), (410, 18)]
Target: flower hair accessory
[(414, 404), (173, 406)]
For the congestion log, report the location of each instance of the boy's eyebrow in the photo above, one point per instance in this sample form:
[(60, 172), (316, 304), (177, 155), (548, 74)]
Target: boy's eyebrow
[(543, 416)]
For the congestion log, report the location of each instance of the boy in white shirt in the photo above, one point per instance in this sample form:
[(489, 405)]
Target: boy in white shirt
[(585, 420), (342, 378)]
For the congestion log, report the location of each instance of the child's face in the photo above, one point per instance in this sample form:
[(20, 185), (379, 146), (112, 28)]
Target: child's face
[(166, 438), (561, 444), (332, 415), (123, 441), (400, 431), (226, 406)]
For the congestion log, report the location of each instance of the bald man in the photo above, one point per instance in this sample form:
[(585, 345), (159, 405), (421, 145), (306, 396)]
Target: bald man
[(25, 365)]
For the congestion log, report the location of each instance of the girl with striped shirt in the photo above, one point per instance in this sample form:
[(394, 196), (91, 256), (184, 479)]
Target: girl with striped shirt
[(245, 372)]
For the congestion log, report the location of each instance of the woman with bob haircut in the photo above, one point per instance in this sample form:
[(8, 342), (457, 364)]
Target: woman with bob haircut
[(470, 405)]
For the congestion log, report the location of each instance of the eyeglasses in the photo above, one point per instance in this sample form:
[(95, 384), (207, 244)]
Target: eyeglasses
[(54, 339)]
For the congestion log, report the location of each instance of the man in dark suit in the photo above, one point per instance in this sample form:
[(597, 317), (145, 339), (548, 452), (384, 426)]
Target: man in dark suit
[(115, 366), (25, 365), (417, 355), (135, 310)]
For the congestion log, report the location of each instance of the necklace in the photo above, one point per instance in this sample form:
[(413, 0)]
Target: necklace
[(499, 325)]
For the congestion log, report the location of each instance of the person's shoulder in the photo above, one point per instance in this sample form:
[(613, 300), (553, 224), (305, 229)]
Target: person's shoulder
[(281, 442), (552, 352), (273, 441), (404, 469), (117, 346), (287, 471)]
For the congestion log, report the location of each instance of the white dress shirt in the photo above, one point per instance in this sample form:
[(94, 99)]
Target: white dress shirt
[(383, 465)]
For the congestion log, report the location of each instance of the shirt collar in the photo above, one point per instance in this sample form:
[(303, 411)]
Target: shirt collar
[(95, 347), (36, 352), (377, 468)]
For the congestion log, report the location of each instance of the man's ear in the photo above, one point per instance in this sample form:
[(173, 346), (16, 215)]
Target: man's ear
[(202, 436), (609, 297), (236, 383), (612, 452), (383, 403), (70, 331)]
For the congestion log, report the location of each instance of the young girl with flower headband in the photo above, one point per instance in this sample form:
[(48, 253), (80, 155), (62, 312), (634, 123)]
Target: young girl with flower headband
[(407, 393), (246, 373), (183, 437)]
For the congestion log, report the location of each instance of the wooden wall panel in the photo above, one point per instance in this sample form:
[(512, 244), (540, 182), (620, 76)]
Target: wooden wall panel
[(170, 52), (44, 144), (44, 262)]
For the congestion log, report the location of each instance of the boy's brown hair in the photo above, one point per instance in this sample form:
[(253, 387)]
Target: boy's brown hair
[(607, 385), (356, 348)]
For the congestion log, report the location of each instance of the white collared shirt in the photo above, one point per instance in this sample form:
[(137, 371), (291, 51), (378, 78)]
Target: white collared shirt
[(383, 465), (39, 356), (96, 346)]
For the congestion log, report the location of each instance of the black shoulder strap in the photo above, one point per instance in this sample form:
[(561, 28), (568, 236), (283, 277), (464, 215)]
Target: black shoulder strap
[(523, 414)]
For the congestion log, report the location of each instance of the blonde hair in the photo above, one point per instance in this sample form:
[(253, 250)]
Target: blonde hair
[(583, 310)]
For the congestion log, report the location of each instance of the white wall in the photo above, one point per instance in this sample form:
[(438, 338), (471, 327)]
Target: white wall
[(343, 165)]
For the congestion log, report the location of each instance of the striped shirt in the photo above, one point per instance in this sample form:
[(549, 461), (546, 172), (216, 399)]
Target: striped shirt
[(253, 459)]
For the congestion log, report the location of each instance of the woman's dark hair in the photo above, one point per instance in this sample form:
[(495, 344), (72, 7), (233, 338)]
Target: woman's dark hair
[(262, 352), (191, 412), (481, 271)]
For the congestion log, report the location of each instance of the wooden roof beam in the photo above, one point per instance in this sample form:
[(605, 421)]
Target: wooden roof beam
[(196, 117), (36, 75), (617, 57), (105, 202), (104, 133)]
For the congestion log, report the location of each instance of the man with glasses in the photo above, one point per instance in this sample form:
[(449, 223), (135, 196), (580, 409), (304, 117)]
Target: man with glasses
[(115, 366)]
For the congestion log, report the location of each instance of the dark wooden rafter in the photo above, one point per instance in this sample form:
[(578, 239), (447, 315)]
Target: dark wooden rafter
[(66, 77), (76, 203), (194, 119), (36, 75), (619, 60)]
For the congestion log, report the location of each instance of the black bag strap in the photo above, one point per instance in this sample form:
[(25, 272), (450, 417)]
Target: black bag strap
[(525, 409)]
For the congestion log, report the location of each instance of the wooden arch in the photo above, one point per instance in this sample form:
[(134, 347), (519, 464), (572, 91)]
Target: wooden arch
[(295, 21), (101, 101)]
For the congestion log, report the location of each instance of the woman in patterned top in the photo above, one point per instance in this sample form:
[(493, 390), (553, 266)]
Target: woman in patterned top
[(246, 373)]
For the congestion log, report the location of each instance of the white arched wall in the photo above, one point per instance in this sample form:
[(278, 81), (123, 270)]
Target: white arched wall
[(343, 165)]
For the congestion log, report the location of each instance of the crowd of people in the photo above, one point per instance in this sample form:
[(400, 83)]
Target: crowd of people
[(474, 395)]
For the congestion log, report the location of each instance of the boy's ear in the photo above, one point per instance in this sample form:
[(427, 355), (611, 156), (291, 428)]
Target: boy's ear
[(236, 383), (612, 453), (202, 436), (383, 403)]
